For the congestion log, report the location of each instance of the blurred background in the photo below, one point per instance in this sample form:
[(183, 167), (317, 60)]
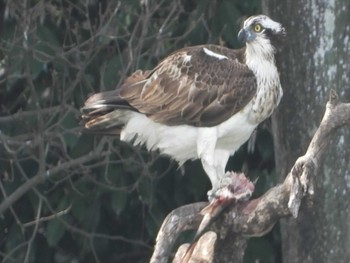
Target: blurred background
[(67, 196)]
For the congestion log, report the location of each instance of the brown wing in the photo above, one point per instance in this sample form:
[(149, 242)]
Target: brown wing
[(194, 87)]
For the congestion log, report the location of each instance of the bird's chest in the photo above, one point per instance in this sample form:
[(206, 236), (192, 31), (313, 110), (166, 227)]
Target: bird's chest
[(236, 130), (265, 101), (269, 92)]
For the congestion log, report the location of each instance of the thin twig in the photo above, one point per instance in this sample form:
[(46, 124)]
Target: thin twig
[(48, 218), (39, 178)]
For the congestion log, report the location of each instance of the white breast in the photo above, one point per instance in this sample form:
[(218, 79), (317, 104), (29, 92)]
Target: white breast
[(236, 130), (180, 142)]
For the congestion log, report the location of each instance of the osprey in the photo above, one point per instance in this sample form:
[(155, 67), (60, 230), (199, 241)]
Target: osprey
[(201, 102)]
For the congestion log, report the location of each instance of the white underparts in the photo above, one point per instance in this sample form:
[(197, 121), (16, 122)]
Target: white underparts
[(213, 54), (212, 145)]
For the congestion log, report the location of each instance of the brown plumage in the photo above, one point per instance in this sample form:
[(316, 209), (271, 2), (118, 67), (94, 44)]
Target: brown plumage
[(202, 91)]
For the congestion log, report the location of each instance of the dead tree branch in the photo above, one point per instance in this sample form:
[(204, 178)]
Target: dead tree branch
[(41, 177), (226, 240)]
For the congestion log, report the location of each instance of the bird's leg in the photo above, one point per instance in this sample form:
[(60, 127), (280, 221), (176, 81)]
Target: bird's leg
[(220, 160), (238, 189), (206, 142)]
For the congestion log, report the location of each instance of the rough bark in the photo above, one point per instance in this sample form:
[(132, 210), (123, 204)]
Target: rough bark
[(226, 239), (315, 60)]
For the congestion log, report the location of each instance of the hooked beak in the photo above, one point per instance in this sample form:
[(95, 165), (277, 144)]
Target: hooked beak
[(245, 35)]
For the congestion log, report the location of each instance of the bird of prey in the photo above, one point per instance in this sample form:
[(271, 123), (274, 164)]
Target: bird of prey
[(201, 102)]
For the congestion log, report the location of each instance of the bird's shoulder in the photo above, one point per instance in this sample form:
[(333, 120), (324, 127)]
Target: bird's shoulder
[(198, 55)]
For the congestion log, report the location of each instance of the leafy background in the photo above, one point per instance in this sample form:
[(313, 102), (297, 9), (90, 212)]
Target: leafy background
[(67, 196)]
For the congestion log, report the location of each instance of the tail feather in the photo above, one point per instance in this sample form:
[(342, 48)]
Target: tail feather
[(104, 116), (107, 112), (109, 121), (112, 131)]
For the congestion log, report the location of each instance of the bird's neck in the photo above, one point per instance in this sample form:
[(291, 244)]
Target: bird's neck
[(269, 92), (258, 56)]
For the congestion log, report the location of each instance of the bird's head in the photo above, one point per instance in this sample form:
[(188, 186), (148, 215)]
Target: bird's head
[(262, 32)]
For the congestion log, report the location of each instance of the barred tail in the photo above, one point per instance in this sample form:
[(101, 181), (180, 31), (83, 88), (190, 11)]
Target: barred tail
[(105, 113)]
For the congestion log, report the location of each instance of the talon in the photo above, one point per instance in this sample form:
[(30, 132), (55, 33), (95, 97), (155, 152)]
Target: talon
[(233, 186), (211, 195)]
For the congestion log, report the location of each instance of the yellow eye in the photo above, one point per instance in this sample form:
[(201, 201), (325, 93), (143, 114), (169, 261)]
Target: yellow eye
[(257, 28)]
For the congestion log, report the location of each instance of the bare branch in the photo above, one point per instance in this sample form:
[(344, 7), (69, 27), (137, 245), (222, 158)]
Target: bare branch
[(41, 177), (181, 219), (47, 218)]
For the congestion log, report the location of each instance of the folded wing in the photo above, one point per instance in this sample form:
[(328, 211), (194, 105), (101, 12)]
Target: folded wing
[(200, 86)]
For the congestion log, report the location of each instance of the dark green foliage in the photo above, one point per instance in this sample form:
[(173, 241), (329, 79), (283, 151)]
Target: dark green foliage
[(99, 200)]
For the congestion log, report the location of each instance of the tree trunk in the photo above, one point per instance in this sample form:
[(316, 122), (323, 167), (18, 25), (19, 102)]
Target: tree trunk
[(316, 59)]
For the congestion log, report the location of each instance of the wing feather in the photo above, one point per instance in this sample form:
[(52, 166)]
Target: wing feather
[(191, 87)]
